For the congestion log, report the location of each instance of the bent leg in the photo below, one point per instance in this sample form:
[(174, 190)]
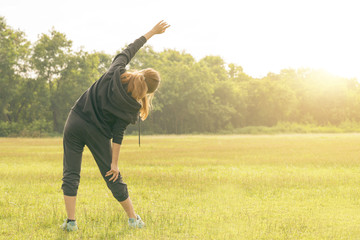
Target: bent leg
[(100, 147)]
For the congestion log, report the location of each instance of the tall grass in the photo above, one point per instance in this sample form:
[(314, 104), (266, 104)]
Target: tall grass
[(191, 187)]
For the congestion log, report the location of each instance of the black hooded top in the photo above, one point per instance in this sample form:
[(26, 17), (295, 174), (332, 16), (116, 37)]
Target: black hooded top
[(107, 104)]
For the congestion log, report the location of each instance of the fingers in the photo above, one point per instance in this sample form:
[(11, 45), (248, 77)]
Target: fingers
[(117, 176), (162, 26), (114, 177), (108, 173), (159, 23)]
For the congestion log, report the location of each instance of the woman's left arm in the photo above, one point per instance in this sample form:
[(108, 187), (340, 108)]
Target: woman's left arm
[(123, 58), (114, 171), (118, 134), (115, 153)]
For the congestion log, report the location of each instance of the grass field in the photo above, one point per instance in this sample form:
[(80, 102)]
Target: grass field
[(191, 187)]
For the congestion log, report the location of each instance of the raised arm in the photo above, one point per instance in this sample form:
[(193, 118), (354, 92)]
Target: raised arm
[(123, 58)]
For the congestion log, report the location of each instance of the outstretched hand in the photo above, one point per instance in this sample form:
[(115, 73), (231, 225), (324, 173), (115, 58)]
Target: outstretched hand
[(157, 29), (160, 27)]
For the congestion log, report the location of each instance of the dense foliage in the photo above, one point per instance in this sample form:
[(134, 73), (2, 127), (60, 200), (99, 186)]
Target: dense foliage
[(39, 83)]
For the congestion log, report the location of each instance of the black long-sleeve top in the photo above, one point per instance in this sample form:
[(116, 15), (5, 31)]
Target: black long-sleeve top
[(106, 104)]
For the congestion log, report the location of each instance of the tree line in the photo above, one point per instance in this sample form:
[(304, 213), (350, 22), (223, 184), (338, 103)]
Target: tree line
[(40, 81)]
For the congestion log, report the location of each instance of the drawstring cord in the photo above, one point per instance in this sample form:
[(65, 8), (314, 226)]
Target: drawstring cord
[(139, 129)]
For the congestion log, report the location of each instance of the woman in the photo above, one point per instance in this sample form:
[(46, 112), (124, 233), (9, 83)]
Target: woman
[(101, 113)]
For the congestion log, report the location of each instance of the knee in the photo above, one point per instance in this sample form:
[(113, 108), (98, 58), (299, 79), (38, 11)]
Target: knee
[(119, 190)]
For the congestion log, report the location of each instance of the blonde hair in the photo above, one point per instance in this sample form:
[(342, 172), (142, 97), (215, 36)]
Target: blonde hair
[(142, 85)]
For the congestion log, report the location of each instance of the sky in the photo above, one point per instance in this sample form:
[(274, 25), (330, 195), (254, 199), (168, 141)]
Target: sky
[(262, 36)]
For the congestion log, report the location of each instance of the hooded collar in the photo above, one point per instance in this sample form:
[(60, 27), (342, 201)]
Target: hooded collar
[(119, 96)]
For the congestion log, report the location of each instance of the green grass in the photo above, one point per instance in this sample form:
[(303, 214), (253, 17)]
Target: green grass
[(191, 187)]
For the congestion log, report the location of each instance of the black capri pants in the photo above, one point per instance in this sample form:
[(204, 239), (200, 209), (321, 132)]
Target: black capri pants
[(77, 134)]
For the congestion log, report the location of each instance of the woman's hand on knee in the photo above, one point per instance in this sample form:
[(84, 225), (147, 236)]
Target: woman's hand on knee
[(114, 171)]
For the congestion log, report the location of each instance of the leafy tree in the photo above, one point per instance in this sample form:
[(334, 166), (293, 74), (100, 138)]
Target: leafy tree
[(236, 73), (14, 49), (39, 85), (217, 65), (81, 71), (269, 101), (49, 59)]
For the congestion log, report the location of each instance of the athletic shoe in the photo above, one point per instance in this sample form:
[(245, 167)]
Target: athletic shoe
[(69, 226), (136, 223)]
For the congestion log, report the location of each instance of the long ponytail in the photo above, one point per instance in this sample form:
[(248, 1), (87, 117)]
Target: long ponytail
[(139, 89)]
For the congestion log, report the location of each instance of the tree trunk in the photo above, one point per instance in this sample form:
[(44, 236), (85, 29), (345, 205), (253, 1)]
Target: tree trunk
[(52, 105)]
